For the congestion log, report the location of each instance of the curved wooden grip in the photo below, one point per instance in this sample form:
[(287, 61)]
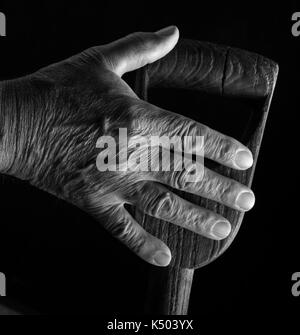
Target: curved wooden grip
[(214, 69), (226, 72)]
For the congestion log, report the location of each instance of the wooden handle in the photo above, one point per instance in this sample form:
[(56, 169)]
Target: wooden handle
[(212, 68), (221, 71), (218, 71), (168, 291)]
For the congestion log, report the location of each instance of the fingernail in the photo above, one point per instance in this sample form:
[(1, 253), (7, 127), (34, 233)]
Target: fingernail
[(243, 159), (221, 229), (161, 258), (245, 200), (166, 31)]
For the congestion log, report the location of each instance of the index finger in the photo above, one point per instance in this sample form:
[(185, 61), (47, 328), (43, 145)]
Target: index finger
[(154, 121)]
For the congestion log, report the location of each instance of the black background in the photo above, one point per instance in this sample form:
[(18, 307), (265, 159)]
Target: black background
[(58, 260)]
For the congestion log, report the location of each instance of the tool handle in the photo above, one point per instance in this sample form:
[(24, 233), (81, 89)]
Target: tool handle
[(213, 68), (168, 291), (222, 71), (225, 72)]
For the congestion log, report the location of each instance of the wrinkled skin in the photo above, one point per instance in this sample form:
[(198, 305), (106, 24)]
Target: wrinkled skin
[(51, 121)]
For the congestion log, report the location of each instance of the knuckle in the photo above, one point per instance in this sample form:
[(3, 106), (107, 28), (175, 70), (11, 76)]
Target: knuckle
[(226, 189), (190, 174), (142, 40), (201, 220), (163, 204), (188, 127), (194, 173), (198, 219), (226, 149), (206, 219), (95, 53), (192, 128), (222, 148), (179, 179), (160, 204), (215, 186)]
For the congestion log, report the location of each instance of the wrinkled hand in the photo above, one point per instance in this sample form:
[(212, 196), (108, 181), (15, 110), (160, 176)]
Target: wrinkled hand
[(53, 118)]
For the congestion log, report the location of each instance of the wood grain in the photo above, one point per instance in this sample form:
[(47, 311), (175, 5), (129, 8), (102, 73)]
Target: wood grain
[(220, 71)]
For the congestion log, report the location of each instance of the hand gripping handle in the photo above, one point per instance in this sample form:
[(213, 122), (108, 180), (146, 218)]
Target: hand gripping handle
[(226, 72)]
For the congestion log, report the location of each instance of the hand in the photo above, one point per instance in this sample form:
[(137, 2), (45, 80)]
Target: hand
[(52, 120)]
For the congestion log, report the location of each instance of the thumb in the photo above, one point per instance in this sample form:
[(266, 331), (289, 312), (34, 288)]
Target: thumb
[(138, 49)]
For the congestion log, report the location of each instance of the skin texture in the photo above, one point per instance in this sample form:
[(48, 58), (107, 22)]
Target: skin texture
[(50, 123)]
